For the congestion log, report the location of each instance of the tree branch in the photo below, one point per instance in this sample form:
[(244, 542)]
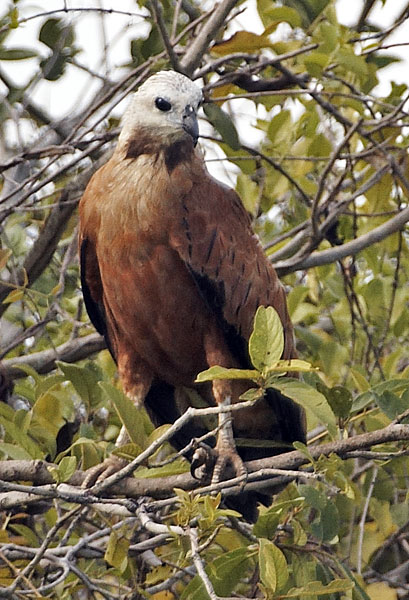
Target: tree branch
[(259, 475), (44, 361), (351, 248), (200, 44)]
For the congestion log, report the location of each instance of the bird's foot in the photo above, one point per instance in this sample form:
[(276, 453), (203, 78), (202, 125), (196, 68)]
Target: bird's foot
[(227, 456), (100, 472), (202, 464)]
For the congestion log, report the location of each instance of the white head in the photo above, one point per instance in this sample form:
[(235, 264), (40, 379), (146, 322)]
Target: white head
[(167, 102)]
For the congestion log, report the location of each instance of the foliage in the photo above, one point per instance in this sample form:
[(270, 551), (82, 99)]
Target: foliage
[(327, 188)]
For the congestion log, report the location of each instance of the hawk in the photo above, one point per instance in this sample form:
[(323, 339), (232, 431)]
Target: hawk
[(172, 275)]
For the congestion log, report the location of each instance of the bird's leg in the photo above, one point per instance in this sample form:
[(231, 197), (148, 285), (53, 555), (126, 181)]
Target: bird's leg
[(225, 445)]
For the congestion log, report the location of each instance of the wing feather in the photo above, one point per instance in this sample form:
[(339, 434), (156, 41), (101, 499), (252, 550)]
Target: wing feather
[(234, 277), (228, 265)]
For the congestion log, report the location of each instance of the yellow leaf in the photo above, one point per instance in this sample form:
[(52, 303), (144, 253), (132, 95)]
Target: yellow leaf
[(225, 90), (14, 296), (55, 289), (4, 256), (381, 591), (242, 41)]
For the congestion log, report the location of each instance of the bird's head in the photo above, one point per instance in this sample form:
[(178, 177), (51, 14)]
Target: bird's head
[(167, 103)]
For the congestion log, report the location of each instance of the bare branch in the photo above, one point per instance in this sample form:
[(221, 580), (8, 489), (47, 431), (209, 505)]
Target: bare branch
[(200, 44), (157, 11), (351, 248), (44, 361)]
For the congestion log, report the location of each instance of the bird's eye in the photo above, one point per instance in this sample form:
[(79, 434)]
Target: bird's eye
[(163, 104)]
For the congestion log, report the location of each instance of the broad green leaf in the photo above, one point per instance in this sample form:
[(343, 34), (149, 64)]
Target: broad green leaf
[(66, 468), (55, 402), (310, 399), (391, 404), (116, 553), (227, 570), (30, 536), (241, 41), (390, 385), (15, 452), (348, 59), (22, 439), (224, 572), (284, 13), (266, 342), (269, 518), (222, 122), (176, 467), (292, 365), (360, 381), (130, 416), (85, 381), (316, 588), (128, 451), (279, 126), (30, 372), (56, 34), (273, 566), (320, 146), (217, 372), (340, 400)]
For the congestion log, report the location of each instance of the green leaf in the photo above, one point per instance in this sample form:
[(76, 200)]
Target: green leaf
[(242, 41), (391, 385), (278, 14), (266, 342), (224, 572), (227, 570), (30, 536), (131, 417), (116, 553), (316, 588), (222, 122), (16, 53), (340, 400), (85, 381), (292, 365), (269, 518), (55, 33), (391, 404), (310, 399), (217, 372), (22, 439), (273, 566), (66, 468), (352, 62), (15, 452)]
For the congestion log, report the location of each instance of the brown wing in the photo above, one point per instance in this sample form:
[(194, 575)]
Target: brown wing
[(228, 264), (234, 277)]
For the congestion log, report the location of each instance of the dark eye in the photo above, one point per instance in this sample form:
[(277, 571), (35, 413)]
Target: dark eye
[(163, 104)]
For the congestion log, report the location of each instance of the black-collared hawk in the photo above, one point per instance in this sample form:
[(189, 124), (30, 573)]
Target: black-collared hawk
[(172, 275)]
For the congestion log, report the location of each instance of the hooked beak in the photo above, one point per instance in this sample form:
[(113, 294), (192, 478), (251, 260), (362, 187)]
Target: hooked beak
[(190, 124)]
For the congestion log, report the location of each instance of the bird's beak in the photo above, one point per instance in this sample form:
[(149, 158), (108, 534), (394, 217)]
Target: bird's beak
[(190, 124)]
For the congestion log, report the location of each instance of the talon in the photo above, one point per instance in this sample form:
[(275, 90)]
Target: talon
[(100, 472), (228, 456), (203, 461)]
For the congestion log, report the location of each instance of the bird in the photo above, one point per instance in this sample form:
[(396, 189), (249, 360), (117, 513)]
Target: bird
[(172, 274)]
